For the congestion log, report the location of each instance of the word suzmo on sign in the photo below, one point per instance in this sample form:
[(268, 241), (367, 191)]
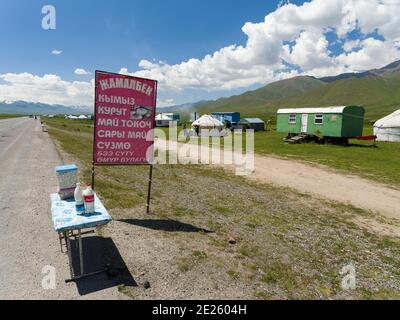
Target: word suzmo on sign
[(121, 83)]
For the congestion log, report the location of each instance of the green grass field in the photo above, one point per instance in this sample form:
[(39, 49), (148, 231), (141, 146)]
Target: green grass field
[(379, 162), (288, 244), (9, 116)]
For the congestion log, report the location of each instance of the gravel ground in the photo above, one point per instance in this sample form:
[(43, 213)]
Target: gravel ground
[(159, 251), (27, 239)]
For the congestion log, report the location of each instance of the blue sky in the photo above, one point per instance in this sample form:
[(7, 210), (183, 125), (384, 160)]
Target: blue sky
[(166, 35), (110, 34)]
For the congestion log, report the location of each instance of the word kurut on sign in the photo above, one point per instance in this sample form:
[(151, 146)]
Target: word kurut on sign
[(124, 119)]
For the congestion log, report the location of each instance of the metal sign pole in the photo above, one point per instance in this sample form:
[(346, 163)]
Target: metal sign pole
[(93, 175), (149, 189), (151, 164), (94, 128)]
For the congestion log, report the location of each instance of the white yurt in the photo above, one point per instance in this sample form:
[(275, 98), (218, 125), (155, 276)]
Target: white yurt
[(207, 125), (388, 128), (163, 120), (82, 117), (208, 122)]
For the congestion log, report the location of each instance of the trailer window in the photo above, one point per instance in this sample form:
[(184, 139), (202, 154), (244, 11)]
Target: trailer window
[(319, 119), (292, 118)]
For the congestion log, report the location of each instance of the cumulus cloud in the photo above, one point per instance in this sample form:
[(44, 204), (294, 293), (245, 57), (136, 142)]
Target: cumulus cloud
[(56, 52), (294, 35), (370, 54), (81, 72), (351, 45), (52, 89), (165, 103), (310, 51), (49, 89)]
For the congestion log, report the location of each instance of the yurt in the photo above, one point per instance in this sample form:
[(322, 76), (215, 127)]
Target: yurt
[(208, 125), (388, 128), (163, 120)]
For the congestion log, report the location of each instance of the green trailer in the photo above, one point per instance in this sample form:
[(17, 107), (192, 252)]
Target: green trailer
[(333, 123)]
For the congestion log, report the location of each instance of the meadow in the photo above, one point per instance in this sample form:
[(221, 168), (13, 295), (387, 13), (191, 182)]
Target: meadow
[(377, 161), (9, 116), (287, 244)]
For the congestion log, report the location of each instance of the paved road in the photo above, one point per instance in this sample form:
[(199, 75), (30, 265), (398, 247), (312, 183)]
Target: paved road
[(27, 240)]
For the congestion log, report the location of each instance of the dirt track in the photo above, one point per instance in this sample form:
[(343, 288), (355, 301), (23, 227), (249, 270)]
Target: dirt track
[(27, 239), (325, 182), (317, 180)]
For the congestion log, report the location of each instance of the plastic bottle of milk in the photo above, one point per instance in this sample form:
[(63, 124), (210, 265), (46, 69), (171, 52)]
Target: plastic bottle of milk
[(78, 195), (88, 197)]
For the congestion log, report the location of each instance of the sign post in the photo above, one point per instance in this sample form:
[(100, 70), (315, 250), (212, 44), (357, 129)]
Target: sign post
[(149, 189), (124, 122)]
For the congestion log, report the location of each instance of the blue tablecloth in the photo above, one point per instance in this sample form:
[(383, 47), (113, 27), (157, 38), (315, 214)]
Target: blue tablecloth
[(65, 217)]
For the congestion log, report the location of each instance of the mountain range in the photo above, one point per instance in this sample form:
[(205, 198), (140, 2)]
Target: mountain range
[(24, 107), (377, 90), (186, 107)]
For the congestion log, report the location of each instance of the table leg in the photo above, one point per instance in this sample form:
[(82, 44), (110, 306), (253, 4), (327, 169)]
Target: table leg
[(68, 242), (80, 248), (80, 251), (60, 236)]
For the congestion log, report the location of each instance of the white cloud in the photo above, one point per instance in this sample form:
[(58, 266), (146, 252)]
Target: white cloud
[(165, 103), (81, 72), (371, 54), (350, 45), (295, 34), (52, 89), (56, 52), (49, 89), (310, 51)]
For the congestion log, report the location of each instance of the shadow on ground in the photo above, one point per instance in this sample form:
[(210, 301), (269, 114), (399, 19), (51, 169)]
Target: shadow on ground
[(165, 225), (361, 145), (99, 254)]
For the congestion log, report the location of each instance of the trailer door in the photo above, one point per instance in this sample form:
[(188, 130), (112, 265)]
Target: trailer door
[(304, 123)]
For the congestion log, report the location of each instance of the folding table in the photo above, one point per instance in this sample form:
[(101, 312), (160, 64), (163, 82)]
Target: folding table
[(66, 220)]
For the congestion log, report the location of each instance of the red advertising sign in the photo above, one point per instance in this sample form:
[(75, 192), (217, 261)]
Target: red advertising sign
[(124, 119)]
